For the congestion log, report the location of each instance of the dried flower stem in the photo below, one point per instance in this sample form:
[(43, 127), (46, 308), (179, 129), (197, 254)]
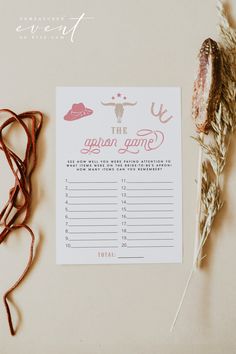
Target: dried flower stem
[(198, 211), (222, 128), (198, 251), (215, 152)]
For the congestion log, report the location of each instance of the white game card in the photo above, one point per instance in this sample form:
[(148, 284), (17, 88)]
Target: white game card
[(118, 175)]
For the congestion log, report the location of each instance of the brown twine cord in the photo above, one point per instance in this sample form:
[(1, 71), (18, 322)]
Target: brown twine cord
[(16, 211)]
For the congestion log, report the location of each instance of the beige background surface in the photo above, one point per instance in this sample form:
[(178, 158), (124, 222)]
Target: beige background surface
[(114, 309)]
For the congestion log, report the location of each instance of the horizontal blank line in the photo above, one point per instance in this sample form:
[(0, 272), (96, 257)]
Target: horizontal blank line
[(149, 189), (92, 218), (146, 182), (149, 246), (150, 225), (149, 203), (94, 247), (92, 196), (92, 189), (148, 210), (92, 233), (96, 239), (149, 232), (152, 218), (90, 225), (132, 257), (150, 239), (92, 203), (91, 211), (91, 182), (149, 196)]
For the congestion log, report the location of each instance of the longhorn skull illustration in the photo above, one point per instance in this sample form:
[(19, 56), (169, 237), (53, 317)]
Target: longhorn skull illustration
[(119, 106)]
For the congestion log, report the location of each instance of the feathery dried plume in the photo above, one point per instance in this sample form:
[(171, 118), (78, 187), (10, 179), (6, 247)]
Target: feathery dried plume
[(205, 102), (207, 86), (220, 125)]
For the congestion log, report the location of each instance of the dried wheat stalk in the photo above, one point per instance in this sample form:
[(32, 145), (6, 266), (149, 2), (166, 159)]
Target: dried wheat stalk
[(220, 126), (205, 103), (223, 123)]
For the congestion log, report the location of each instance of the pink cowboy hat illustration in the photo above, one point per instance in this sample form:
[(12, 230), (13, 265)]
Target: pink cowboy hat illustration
[(78, 111)]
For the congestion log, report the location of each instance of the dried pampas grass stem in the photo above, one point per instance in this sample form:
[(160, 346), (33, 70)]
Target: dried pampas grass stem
[(214, 112)]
